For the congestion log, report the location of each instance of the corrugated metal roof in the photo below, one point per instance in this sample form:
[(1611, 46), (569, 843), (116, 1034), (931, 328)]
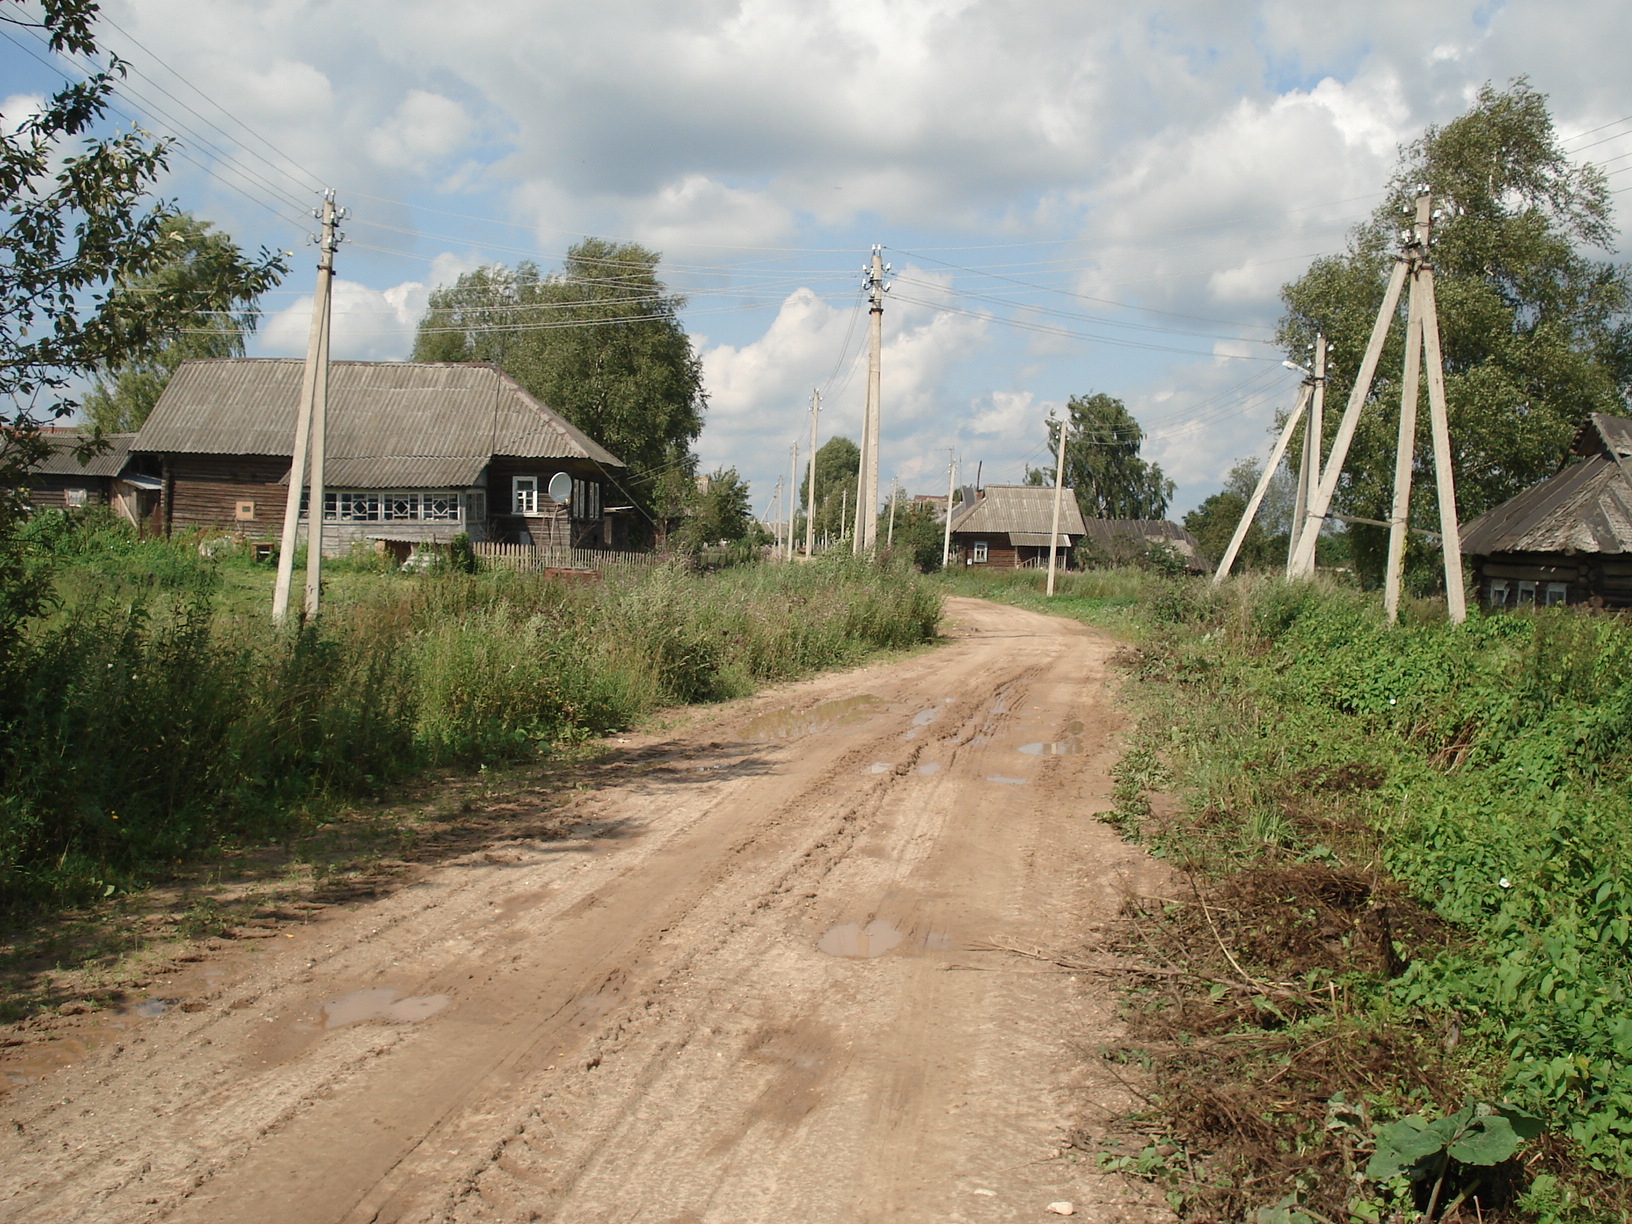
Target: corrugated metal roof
[(1038, 539), (1026, 509), (1586, 507), (399, 472), (63, 462), (378, 410)]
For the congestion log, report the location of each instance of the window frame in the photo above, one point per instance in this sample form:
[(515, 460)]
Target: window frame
[(526, 506), (980, 552)]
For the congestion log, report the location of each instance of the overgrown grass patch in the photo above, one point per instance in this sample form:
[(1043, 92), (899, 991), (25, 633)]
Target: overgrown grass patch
[(1410, 915), (143, 719)]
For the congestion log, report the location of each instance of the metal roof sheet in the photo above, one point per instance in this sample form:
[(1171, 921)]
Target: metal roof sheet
[(1027, 509), (401, 472), (1038, 539), (376, 410), (63, 462)]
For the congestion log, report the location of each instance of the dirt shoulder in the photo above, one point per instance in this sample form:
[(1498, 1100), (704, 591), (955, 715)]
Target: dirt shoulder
[(759, 968)]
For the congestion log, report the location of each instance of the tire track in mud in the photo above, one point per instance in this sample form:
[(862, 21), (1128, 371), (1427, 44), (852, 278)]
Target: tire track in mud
[(644, 1026)]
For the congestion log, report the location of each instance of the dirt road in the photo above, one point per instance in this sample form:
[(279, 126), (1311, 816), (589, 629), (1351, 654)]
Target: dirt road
[(762, 980)]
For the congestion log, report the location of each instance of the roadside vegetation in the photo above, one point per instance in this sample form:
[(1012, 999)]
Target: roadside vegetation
[(152, 712), (1395, 984)]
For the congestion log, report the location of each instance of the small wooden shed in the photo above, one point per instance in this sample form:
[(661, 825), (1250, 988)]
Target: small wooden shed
[(1567, 540), (1009, 525), (112, 477)]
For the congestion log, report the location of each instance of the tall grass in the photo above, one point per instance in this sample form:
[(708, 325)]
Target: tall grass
[(141, 720), (1484, 768)]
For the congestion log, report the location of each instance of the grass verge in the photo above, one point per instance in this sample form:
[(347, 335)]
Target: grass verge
[(1397, 985)]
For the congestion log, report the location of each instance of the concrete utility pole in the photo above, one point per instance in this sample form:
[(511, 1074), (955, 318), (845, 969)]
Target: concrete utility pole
[(1059, 493), (1303, 560), (867, 494), (310, 419), (951, 479), (895, 496), (793, 497), (1268, 474), (1309, 469), (1422, 347), (810, 492)]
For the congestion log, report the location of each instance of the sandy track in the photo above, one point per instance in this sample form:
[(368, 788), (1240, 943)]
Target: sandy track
[(757, 984)]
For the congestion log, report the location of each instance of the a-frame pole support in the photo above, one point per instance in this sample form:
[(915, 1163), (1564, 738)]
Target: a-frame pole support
[(1275, 456)]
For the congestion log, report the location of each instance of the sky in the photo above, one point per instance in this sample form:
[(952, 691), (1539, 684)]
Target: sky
[(1074, 196)]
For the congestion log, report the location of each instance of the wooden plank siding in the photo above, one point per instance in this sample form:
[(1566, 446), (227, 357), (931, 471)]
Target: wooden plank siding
[(204, 491), (508, 527), (1596, 579)]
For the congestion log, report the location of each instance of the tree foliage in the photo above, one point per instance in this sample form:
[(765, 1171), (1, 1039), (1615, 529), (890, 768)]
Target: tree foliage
[(1535, 333), (838, 461), (719, 512), (81, 227), (1102, 462), (210, 290), (599, 342), (919, 534)]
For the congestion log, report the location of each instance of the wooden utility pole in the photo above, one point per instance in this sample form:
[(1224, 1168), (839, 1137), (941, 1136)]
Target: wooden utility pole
[(314, 392), (1313, 435), (810, 492), (1059, 493), (951, 480), (867, 495)]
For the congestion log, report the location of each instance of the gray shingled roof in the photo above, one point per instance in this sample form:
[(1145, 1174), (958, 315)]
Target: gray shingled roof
[(1115, 533), (63, 462), (390, 423), (1020, 510), (1587, 507)]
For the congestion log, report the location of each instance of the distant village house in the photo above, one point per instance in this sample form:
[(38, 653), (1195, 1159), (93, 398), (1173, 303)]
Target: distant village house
[(416, 452), (1567, 540), (1009, 526)]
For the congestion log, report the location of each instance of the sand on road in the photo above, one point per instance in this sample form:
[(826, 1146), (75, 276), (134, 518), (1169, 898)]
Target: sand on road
[(768, 976)]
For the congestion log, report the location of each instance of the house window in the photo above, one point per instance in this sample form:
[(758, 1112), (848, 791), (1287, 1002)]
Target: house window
[(980, 552), (1527, 595), (586, 499), (1557, 593), (1497, 593), (75, 497), (395, 506), (478, 505), (525, 494)]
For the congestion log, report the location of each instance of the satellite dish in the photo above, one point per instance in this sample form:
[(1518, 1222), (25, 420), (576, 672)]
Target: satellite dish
[(561, 488)]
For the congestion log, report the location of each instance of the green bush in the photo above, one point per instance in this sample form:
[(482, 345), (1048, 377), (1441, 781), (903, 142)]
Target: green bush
[(144, 720)]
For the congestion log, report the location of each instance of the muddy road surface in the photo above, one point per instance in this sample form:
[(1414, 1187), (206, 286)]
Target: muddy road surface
[(770, 974)]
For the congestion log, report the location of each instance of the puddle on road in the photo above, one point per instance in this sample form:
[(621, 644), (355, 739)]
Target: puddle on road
[(921, 720), (876, 938), (929, 767), (853, 939), (790, 724), (1069, 742), (1007, 781), (149, 1008), (381, 1003)]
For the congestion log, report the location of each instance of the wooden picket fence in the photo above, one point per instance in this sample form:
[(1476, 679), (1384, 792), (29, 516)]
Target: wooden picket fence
[(532, 557)]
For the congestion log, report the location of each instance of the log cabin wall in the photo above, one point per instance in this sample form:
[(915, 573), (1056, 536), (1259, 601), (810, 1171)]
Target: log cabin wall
[(211, 491), (1586, 577)]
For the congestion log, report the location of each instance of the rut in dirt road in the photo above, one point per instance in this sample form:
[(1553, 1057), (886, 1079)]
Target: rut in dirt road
[(766, 979)]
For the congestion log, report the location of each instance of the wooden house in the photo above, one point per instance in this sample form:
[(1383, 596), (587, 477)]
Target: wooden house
[(1125, 541), (1567, 539), (1009, 526), (416, 452), (111, 477)]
